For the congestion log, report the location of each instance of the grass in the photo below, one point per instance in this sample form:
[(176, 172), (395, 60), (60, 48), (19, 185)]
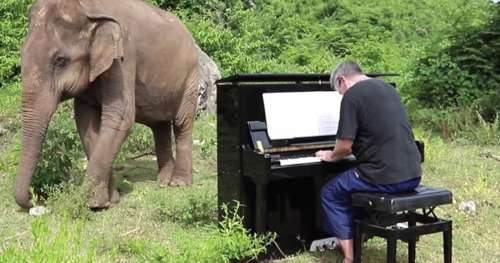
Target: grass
[(153, 224)]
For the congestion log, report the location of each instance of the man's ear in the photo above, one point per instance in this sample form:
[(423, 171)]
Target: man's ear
[(106, 45)]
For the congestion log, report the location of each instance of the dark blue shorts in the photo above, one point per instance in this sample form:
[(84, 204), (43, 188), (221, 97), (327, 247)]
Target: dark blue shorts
[(336, 200)]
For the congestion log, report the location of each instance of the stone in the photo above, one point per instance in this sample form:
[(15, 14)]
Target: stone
[(2, 130), (207, 92), (38, 211), (468, 206)]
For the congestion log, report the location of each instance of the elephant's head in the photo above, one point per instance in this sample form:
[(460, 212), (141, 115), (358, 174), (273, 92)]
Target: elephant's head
[(69, 44)]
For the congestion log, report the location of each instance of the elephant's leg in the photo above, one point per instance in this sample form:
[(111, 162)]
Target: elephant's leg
[(88, 121), (163, 146), (99, 168), (183, 131)]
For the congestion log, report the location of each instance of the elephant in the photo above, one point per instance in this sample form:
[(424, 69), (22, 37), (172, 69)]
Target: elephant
[(122, 62)]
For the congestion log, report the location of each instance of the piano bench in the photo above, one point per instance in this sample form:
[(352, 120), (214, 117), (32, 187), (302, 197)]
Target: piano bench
[(395, 216)]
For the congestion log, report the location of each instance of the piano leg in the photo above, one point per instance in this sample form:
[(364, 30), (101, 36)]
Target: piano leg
[(318, 183), (261, 208)]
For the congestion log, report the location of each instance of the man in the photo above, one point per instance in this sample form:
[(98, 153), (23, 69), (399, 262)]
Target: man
[(374, 127)]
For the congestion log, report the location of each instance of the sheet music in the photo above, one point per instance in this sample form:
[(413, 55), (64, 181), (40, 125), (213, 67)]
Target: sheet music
[(301, 114)]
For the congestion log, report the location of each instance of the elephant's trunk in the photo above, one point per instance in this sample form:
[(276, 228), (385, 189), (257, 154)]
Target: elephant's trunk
[(36, 113)]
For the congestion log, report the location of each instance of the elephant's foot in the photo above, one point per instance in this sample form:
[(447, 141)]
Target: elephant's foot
[(165, 175), (99, 198), (181, 179), (114, 196), (97, 205)]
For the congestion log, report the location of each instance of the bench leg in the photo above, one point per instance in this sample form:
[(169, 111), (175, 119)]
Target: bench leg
[(447, 240), (411, 241), (391, 248), (357, 241)]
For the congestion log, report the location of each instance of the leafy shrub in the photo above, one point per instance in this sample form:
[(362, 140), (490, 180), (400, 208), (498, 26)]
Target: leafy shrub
[(228, 242), (13, 27), (61, 154), (140, 141), (70, 199), (458, 122), (190, 207), (52, 243), (205, 136), (466, 71)]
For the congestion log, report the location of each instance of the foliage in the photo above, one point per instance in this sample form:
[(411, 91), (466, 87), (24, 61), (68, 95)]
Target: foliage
[(61, 152), (193, 206), (49, 243), (13, 27), (229, 242), (140, 141), (70, 198), (205, 136), (458, 122), (466, 71)]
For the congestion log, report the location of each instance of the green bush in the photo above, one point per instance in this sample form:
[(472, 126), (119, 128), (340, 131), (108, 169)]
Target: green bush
[(205, 136), (61, 154), (70, 198), (140, 141), (466, 71), (13, 27), (228, 242), (193, 206), (458, 122)]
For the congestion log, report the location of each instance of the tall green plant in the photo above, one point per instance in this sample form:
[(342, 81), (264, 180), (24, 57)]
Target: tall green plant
[(62, 152), (466, 71), (13, 27)]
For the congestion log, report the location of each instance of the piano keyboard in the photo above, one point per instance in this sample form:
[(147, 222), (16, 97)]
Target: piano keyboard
[(299, 159), (307, 158)]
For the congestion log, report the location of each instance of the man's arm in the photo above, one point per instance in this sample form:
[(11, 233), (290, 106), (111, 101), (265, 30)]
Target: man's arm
[(341, 150)]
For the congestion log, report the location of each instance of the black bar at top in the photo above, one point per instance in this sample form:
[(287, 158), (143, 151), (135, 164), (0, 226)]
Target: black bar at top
[(289, 77)]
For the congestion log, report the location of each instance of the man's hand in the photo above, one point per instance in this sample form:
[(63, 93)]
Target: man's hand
[(324, 155), (341, 150)]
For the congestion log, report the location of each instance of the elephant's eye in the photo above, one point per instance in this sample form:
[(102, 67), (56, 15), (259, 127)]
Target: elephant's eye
[(60, 62)]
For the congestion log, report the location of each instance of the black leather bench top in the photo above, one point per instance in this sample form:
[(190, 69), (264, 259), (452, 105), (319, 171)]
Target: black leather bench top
[(422, 197)]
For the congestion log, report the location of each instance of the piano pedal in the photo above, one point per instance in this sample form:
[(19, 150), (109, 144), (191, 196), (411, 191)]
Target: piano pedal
[(323, 244)]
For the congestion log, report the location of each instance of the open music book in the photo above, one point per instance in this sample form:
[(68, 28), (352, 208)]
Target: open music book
[(301, 114)]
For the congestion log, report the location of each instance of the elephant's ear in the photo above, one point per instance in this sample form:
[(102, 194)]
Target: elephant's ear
[(106, 45)]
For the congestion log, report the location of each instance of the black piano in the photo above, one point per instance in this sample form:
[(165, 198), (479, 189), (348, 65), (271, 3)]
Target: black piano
[(274, 195)]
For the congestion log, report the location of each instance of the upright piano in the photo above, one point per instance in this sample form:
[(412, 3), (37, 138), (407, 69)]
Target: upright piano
[(276, 182)]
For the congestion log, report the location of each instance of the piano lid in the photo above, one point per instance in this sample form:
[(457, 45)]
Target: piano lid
[(288, 77)]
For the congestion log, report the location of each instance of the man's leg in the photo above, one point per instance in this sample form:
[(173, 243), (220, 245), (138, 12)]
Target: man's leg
[(337, 208)]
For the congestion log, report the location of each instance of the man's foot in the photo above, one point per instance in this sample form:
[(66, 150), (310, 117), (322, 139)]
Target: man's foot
[(347, 248)]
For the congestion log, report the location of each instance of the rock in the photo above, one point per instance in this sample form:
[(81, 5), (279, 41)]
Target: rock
[(2, 130), (39, 210), (207, 92), (468, 206)]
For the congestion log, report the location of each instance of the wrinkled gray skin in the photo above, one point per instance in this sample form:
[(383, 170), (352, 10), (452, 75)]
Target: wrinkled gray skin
[(123, 61)]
